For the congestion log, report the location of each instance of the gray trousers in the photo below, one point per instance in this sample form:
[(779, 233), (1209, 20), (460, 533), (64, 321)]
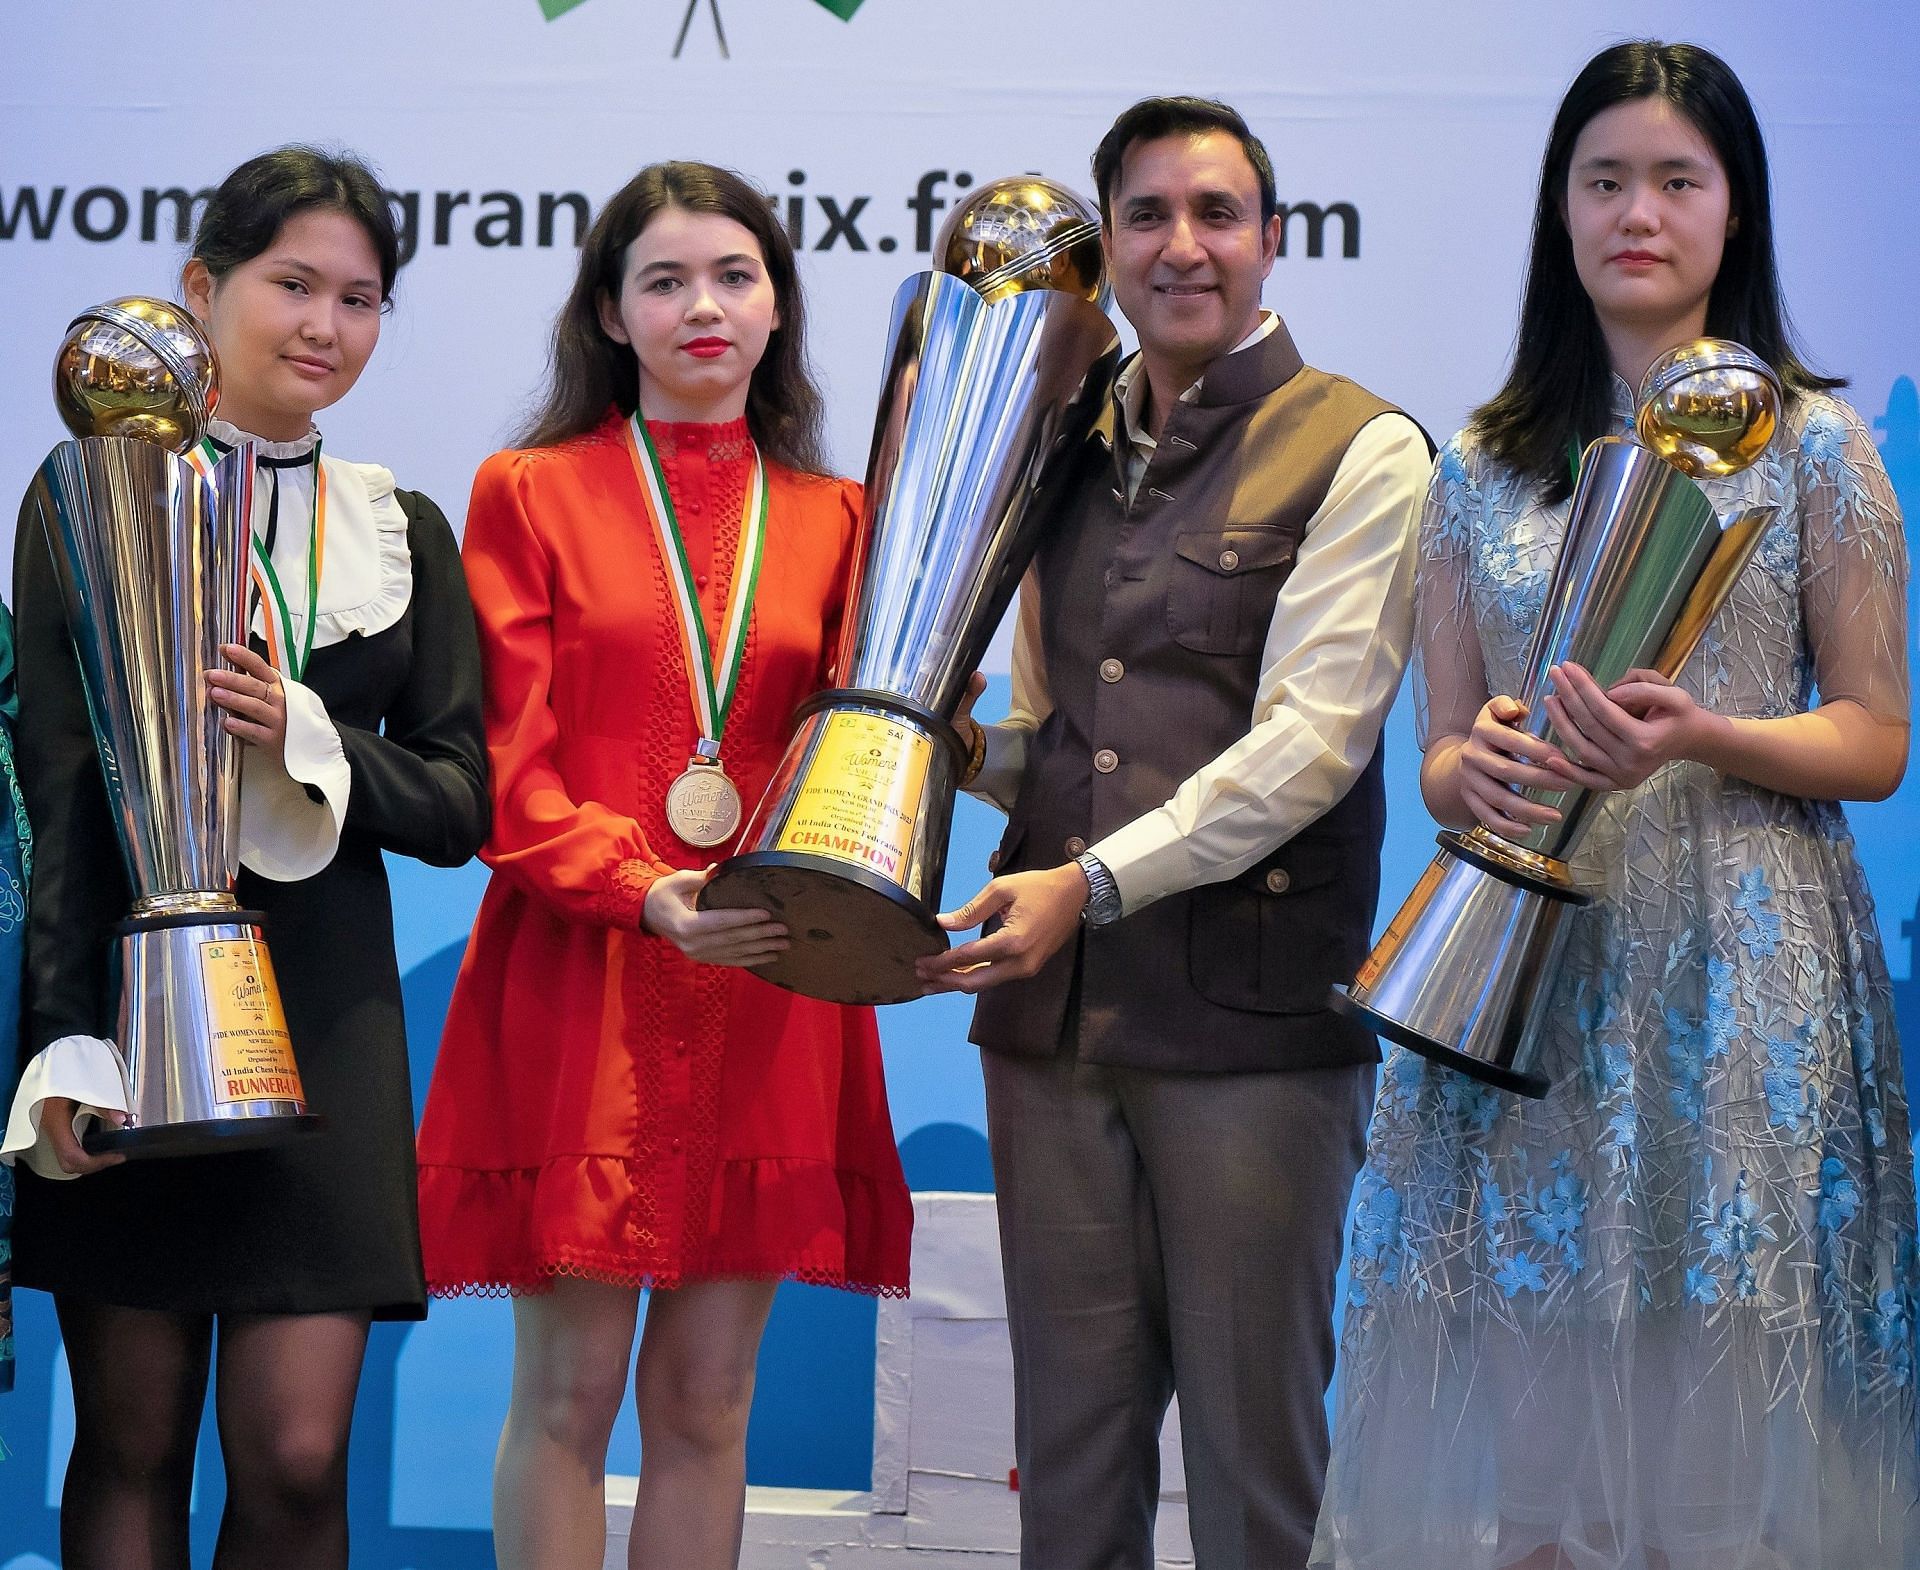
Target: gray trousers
[(1168, 1232)]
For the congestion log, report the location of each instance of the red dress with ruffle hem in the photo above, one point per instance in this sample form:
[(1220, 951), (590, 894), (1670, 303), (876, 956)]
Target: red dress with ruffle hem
[(602, 1106)]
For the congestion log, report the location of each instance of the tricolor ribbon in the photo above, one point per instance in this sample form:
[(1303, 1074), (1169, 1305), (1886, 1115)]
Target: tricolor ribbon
[(274, 612), (713, 675)]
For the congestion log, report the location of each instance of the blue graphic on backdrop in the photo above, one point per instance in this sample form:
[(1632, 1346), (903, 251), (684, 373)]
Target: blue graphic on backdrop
[(434, 1395)]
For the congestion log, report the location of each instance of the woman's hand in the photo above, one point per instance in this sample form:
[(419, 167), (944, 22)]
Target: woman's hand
[(1497, 760), (713, 937), (1615, 739), (254, 701), (56, 1122)]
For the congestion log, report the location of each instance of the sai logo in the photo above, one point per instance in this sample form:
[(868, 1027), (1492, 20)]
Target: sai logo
[(843, 9)]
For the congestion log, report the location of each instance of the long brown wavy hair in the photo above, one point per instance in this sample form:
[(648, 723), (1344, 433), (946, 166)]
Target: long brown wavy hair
[(587, 370)]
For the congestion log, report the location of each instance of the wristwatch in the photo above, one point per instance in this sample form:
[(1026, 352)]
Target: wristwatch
[(1103, 894)]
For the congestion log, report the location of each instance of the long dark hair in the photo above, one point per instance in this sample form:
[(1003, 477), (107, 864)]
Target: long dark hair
[(255, 201), (589, 371), (1557, 394)]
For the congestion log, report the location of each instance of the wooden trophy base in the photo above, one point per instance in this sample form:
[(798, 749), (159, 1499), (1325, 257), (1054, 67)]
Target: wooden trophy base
[(854, 937)]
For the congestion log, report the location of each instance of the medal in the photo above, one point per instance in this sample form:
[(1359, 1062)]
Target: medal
[(703, 805)]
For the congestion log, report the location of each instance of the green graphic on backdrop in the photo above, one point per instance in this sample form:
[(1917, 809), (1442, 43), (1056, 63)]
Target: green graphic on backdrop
[(843, 9)]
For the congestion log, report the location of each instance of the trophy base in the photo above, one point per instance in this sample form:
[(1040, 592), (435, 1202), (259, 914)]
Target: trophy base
[(1532, 1086), (1465, 969), (854, 935), (215, 1136), (849, 837), (209, 1063)]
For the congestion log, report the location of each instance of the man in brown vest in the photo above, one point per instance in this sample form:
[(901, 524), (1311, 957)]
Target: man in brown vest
[(1208, 643)]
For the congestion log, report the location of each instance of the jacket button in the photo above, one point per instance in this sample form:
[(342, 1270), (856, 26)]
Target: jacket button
[(1106, 760), (1111, 670), (1278, 882), (1229, 560), (1076, 847)]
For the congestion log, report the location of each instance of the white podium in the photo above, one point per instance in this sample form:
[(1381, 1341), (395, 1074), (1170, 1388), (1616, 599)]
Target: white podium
[(943, 1491)]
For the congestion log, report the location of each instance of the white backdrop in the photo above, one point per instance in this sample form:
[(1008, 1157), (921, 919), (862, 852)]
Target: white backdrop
[(1428, 121)]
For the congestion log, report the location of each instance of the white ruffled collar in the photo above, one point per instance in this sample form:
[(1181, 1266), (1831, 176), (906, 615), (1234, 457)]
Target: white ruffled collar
[(229, 436), (367, 581)]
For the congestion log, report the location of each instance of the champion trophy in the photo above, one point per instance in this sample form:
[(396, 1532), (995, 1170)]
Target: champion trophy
[(995, 366), (150, 556), (1465, 969)]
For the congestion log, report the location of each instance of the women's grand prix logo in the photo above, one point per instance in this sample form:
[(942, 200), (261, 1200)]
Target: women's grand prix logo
[(843, 9)]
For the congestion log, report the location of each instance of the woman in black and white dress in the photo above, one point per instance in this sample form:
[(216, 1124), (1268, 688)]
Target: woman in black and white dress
[(360, 704)]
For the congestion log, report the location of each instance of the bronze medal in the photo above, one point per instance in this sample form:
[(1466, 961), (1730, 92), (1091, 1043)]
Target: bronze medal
[(703, 805)]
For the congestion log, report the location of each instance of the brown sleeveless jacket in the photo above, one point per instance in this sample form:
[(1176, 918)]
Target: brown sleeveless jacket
[(1154, 617)]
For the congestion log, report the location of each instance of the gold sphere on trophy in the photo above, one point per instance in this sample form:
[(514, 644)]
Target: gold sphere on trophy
[(1025, 232), (140, 368), (1709, 407)]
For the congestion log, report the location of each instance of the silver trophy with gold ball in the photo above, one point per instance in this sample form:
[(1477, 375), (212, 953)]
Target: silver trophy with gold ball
[(1465, 970), (995, 365), (150, 553)]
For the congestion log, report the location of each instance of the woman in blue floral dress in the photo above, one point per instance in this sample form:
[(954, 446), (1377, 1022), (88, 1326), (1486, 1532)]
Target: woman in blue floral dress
[(1665, 1318)]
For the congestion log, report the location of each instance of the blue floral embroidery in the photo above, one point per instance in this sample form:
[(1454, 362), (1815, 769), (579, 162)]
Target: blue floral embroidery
[(1456, 493), (1761, 934), (1687, 1062), (1889, 1326), (1470, 1102), (1722, 1026), (1735, 1233), (1791, 1101), (1557, 1214), (1610, 1067), (1779, 554), (1839, 1195), (1823, 450), (1518, 1272), (1860, 1039), (1376, 1238), (1703, 1286)]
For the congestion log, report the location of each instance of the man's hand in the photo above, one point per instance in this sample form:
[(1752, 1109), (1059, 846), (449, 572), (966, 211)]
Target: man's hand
[(1038, 912), (976, 685), (56, 1122), (713, 937)]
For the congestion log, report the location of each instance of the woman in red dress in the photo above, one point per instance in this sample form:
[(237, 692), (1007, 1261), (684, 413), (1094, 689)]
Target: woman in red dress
[(619, 1102)]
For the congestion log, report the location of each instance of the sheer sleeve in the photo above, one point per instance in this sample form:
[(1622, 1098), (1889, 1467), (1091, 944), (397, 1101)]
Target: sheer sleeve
[(1853, 564), (1450, 679)]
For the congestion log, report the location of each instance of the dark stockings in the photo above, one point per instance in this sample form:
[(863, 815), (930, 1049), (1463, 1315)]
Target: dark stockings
[(284, 1399), (139, 1379), (284, 1396)]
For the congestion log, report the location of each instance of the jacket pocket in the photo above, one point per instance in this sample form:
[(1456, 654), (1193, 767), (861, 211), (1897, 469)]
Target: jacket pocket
[(1275, 938), (1223, 585)]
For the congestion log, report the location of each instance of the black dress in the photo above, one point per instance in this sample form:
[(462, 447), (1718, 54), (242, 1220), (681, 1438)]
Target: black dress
[(327, 1223)]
